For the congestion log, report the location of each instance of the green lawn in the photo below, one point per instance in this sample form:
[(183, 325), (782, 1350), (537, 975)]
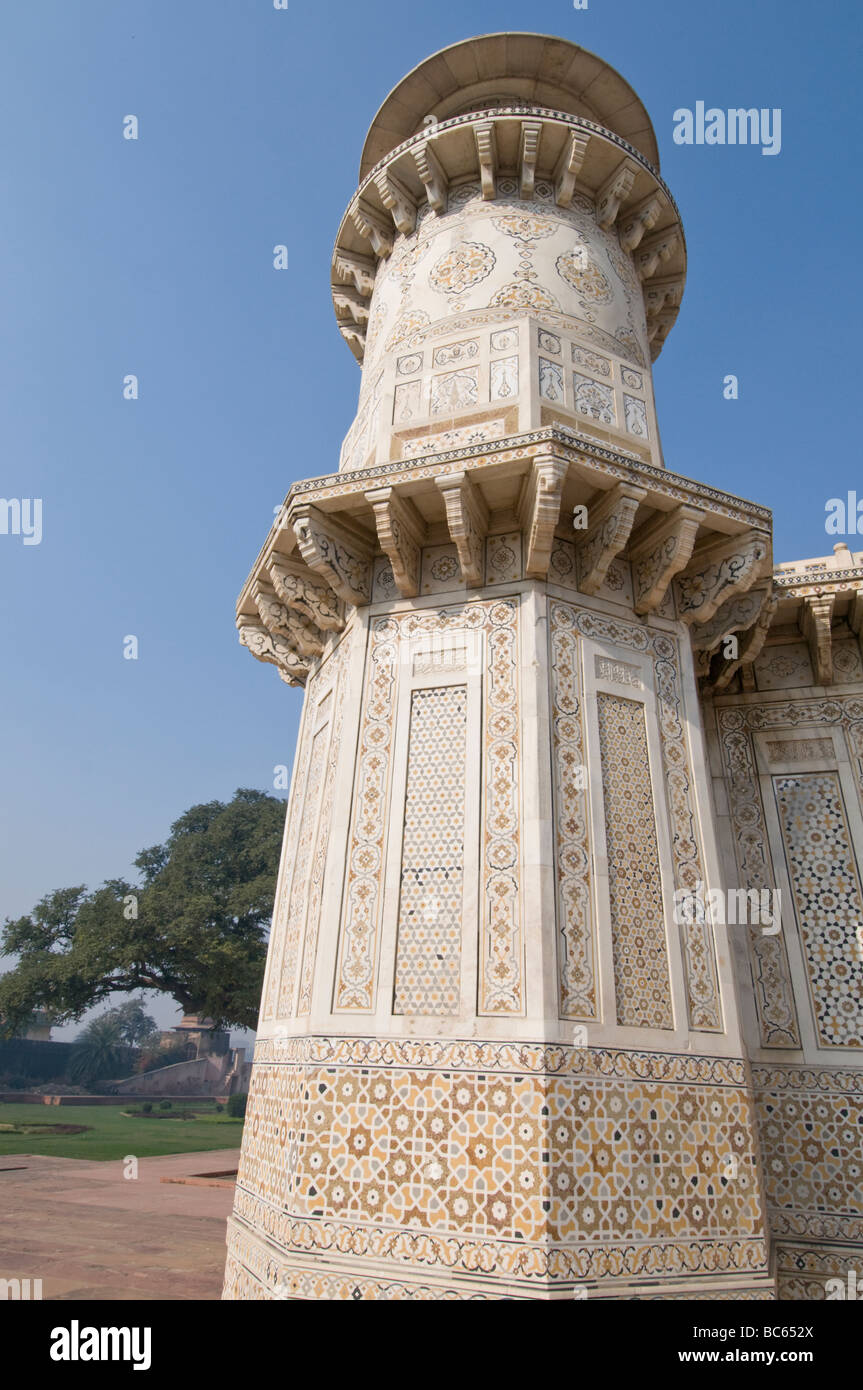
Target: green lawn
[(113, 1135)]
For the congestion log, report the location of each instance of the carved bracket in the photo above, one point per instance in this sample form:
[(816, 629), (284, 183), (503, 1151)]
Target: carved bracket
[(353, 335), (273, 649), (539, 512), (467, 519), (397, 200), (662, 294), (815, 619), (718, 571), (338, 554), (373, 227), (309, 596), (661, 549), (281, 621), (360, 269), (569, 167), (641, 219), (434, 179), (656, 250), (611, 522), (352, 303), (486, 150), (613, 192), (750, 643), (401, 532), (531, 132)]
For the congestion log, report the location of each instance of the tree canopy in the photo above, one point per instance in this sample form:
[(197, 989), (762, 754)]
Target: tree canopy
[(193, 927)]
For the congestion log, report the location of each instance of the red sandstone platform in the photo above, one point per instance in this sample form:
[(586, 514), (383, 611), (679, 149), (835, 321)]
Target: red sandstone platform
[(88, 1232)]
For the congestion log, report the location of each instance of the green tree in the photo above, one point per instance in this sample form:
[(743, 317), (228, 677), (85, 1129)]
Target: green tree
[(99, 1051), (194, 927)]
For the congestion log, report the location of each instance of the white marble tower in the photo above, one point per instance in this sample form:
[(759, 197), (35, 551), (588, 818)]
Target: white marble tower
[(491, 1063)]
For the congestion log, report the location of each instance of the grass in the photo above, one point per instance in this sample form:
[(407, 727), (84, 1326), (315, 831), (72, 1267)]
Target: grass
[(111, 1134)]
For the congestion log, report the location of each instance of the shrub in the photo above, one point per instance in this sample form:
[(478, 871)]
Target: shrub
[(164, 1105), (237, 1105), (146, 1107)]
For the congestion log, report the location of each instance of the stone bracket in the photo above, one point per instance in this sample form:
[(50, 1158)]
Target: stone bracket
[(568, 167), (750, 643), (432, 173), (662, 294), (300, 589), (660, 551), (539, 512), (531, 132), (337, 553), (467, 519), (719, 570), (273, 649), (373, 227), (641, 219), (353, 303), (655, 250), (281, 621), (360, 269), (401, 532), (609, 529), (486, 149), (353, 334), (613, 192), (815, 619), (736, 614), (398, 201)]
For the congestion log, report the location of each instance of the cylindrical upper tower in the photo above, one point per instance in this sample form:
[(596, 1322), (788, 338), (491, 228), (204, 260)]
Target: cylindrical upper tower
[(511, 259)]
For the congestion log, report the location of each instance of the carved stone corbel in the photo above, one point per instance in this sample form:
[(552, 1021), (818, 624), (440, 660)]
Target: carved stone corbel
[(353, 336), (613, 192), (815, 619), (735, 615), (308, 595), (360, 269), (467, 519), (352, 303), (661, 294), (568, 167), (641, 219), (401, 533), (609, 529), (719, 570), (531, 132), (433, 176), (269, 647), (486, 150), (855, 611), (661, 549), (338, 553), (750, 644), (656, 250), (397, 200), (281, 621), (373, 227), (539, 512)]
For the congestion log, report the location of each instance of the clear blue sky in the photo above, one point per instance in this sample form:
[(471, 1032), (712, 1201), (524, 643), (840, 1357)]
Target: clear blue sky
[(155, 258)]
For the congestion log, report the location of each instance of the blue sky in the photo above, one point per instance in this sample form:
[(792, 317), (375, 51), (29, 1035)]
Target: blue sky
[(154, 257)]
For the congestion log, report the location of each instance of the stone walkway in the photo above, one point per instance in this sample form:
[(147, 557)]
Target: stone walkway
[(87, 1232)]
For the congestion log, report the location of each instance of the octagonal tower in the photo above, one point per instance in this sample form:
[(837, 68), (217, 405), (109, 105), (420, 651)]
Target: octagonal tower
[(493, 1060)]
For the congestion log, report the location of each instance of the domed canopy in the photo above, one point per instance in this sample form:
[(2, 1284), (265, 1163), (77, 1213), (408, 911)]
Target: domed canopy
[(509, 69)]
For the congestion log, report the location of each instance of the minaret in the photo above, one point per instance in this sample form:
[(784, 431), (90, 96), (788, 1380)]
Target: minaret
[(495, 1059)]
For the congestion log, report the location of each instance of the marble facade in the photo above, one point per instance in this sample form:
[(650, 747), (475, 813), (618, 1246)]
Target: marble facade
[(492, 1061)]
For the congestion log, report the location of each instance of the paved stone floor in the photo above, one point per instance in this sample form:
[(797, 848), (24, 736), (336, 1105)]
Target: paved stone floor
[(88, 1232)]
